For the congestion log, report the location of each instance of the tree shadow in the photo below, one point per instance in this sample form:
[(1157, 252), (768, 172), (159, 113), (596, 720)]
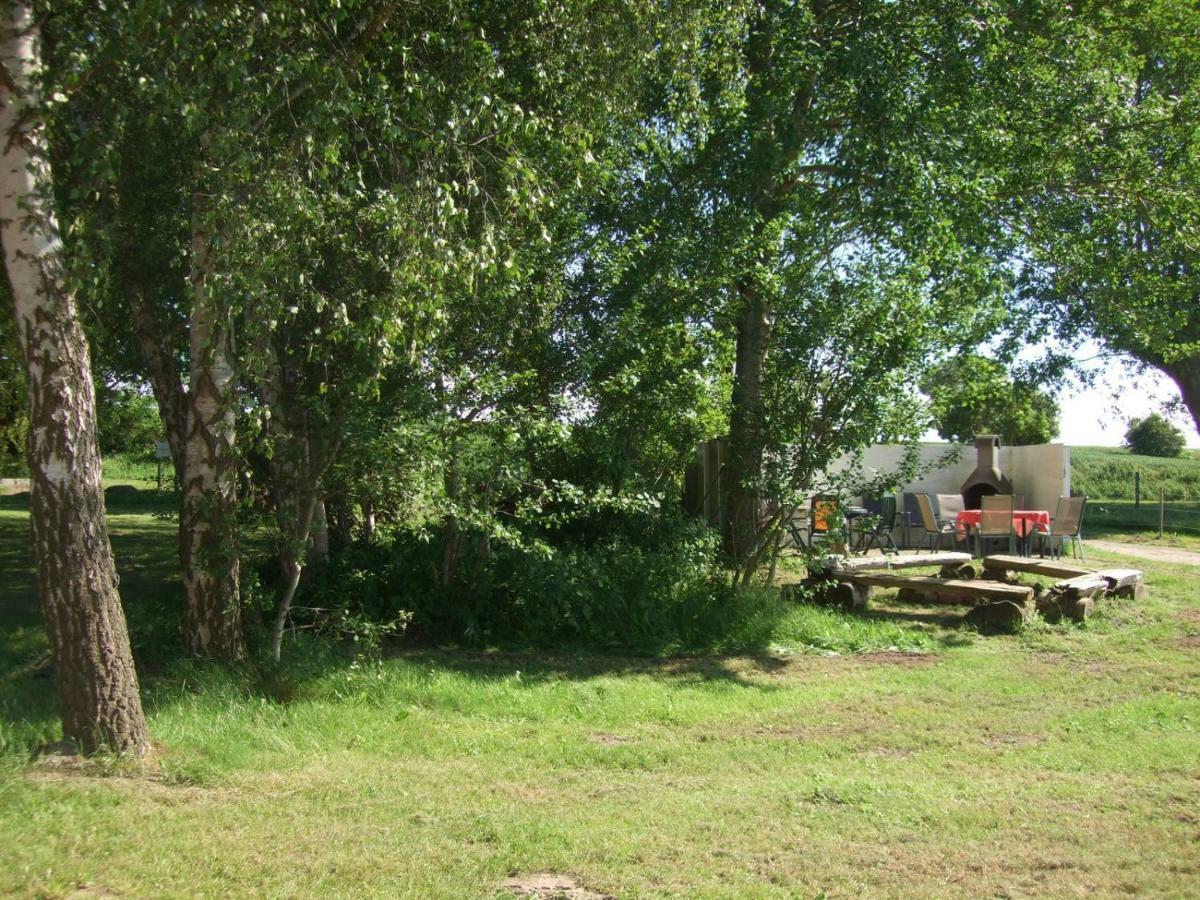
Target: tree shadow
[(538, 667), (151, 595)]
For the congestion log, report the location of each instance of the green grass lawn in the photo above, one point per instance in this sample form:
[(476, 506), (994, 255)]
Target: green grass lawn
[(1065, 760)]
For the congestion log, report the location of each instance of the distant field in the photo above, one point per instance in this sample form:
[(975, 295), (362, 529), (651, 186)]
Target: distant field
[(1108, 473), (1109, 516), (132, 467), (1105, 475)]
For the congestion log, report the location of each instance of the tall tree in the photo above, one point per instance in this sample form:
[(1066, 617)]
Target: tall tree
[(1114, 228), (77, 580), (836, 164), (972, 395)]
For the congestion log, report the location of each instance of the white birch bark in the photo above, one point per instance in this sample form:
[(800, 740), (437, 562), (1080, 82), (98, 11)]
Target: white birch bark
[(77, 582)]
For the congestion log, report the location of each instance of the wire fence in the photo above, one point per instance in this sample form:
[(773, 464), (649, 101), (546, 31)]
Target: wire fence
[(1162, 514)]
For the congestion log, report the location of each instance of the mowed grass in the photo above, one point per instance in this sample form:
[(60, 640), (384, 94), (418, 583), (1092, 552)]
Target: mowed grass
[(1062, 761)]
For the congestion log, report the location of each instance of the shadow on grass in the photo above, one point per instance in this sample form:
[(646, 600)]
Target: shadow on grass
[(118, 500), (538, 667), (147, 565), (942, 618)]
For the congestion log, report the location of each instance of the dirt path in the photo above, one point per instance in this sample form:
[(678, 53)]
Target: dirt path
[(1146, 551)]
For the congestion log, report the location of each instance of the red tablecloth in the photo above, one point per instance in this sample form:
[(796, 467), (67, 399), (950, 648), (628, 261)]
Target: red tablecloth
[(1025, 521)]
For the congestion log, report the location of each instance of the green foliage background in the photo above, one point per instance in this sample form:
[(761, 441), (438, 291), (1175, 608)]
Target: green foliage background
[(973, 395)]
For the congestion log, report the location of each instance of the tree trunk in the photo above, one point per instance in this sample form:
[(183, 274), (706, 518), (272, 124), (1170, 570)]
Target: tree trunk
[(318, 552), (747, 428), (296, 518), (212, 620), (1186, 375), (77, 580), (299, 459), (367, 505), (451, 536), (340, 518), (155, 344)]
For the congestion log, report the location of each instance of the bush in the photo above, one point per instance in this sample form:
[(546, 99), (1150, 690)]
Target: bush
[(647, 582), (1154, 436), (660, 592)]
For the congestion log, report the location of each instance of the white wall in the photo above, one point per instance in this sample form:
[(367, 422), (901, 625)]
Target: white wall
[(1041, 473), (936, 475)]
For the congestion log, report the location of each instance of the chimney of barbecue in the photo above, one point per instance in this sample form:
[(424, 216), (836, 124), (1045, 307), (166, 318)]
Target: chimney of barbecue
[(987, 479)]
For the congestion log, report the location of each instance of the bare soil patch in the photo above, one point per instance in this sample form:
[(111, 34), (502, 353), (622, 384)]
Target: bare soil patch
[(896, 658), (607, 740), (87, 889), (1012, 740), (551, 886)]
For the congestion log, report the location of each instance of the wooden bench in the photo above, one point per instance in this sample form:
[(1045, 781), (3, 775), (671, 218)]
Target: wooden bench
[(1049, 567), (935, 589), (996, 601), (1075, 597), (895, 561)]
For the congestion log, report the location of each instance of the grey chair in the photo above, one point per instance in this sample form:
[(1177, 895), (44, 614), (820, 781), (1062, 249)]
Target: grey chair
[(1067, 525), (933, 528), (948, 507), (996, 522)]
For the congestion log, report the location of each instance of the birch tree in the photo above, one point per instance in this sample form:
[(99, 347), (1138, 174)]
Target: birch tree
[(77, 581)]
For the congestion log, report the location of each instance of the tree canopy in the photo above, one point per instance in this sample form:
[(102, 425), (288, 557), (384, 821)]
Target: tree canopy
[(1113, 233), (972, 395)]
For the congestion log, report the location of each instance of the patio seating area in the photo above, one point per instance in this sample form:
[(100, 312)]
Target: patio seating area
[(992, 588)]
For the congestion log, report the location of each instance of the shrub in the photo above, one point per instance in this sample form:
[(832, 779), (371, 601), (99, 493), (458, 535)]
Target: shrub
[(660, 591), (645, 582), (1154, 436)]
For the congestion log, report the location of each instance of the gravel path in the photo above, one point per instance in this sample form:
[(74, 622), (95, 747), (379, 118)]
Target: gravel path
[(1148, 551)]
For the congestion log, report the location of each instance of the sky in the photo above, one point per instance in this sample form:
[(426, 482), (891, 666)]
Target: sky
[(1098, 414)]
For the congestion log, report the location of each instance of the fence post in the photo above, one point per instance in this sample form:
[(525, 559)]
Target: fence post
[(1162, 496), (1137, 489)]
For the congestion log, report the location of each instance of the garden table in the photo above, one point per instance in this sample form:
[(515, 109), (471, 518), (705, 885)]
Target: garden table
[(1025, 523)]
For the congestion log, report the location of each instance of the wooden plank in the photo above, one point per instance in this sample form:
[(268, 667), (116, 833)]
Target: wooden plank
[(1119, 578), (972, 590), (1082, 586), (894, 561), (1050, 567)]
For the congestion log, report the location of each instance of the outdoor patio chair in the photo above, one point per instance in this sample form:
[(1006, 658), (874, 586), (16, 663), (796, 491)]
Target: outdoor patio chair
[(995, 522), (948, 508), (825, 518), (1067, 525), (878, 531), (797, 527), (933, 528)]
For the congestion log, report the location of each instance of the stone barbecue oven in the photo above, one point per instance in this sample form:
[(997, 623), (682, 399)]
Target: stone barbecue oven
[(987, 479)]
